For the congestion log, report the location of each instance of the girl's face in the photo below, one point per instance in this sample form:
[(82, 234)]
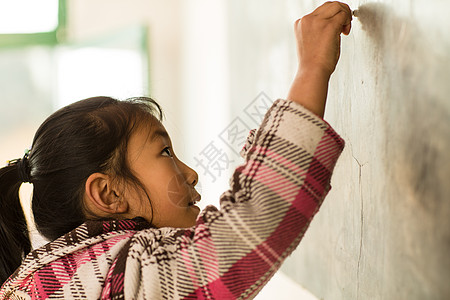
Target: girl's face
[(167, 180)]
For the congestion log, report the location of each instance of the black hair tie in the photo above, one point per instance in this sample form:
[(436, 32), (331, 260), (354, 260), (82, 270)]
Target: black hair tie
[(23, 167)]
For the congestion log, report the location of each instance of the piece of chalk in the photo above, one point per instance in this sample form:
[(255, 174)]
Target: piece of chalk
[(355, 12)]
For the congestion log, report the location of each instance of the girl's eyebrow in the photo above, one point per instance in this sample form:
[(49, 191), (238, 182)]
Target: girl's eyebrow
[(159, 133)]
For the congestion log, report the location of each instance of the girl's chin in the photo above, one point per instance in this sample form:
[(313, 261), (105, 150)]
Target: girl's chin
[(195, 210), (195, 207)]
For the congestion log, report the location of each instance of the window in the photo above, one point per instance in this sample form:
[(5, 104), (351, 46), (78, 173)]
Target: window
[(28, 22)]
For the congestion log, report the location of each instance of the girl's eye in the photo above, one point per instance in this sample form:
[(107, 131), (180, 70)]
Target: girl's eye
[(168, 151)]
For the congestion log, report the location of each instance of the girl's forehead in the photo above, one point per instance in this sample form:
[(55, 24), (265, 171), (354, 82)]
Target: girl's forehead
[(156, 130)]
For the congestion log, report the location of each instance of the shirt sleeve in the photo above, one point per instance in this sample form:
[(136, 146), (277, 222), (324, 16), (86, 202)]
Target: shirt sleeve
[(232, 252)]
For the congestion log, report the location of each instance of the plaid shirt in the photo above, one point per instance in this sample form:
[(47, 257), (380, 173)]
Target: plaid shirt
[(230, 253)]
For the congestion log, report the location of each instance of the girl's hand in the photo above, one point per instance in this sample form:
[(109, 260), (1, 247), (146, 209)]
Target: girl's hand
[(318, 37)]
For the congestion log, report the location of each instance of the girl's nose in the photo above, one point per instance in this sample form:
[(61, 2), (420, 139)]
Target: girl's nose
[(193, 177), (190, 175)]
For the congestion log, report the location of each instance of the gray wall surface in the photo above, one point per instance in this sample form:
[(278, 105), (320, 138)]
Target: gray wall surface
[(384, 230)]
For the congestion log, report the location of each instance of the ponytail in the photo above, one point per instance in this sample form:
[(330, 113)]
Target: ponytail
[(14, 239)]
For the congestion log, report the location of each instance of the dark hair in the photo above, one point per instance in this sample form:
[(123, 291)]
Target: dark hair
[(82, 138)]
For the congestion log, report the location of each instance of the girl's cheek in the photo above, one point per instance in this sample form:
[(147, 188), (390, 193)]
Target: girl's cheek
[(175, 192)]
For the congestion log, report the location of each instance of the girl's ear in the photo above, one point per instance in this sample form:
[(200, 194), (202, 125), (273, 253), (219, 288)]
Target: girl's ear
[(101, 197)]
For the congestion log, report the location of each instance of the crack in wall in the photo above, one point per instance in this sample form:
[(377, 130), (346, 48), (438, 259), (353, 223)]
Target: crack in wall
[(361, 237), (361, 228)]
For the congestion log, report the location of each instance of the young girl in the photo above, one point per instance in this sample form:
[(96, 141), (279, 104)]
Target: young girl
[(119, 206)]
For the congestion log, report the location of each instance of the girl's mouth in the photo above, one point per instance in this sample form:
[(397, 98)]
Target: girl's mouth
[(195, 201)]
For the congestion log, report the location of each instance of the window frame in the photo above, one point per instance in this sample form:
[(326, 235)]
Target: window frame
[(40, 38)]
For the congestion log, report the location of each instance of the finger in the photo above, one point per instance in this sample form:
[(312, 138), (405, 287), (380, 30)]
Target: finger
[(325, 6), (330, 9), (345, 11), (342, 20), (345, 6)]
